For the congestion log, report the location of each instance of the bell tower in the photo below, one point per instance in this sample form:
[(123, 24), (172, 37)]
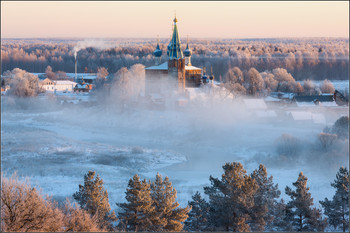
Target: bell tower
[(176, 62)]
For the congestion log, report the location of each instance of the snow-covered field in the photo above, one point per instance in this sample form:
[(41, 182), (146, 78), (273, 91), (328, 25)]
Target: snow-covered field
[(56, 145)]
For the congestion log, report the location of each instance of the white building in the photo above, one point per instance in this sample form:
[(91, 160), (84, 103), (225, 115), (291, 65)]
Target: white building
[(64, 85), (57, 85)]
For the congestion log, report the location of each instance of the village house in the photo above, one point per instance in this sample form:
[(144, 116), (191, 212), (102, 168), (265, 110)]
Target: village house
[(57, 85), (83, 87)]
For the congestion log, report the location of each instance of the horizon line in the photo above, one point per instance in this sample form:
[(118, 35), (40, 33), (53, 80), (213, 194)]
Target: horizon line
[(232, 38)]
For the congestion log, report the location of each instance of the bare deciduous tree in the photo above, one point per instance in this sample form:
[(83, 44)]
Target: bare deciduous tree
[(326, 140), (288, 145), (327, 87), (310, 88), (22, 83), (79, 220), (286, 82), (23, 208), (49, 73), (254, 81), (270, 81)]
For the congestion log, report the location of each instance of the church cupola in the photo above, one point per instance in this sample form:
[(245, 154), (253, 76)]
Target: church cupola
[(187, 54), (204, 77), (211, 77), (157, 53)]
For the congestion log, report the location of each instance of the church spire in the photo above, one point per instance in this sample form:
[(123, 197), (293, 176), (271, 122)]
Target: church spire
[(175, 51)]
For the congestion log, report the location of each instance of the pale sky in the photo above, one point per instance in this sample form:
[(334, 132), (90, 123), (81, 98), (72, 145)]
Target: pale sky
[(196, 19)]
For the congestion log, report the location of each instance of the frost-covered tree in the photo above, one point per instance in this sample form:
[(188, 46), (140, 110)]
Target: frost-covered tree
[(270, 81), (49, 73), (337, 209), (101, 75), (169, 216), (231, 198), (138, 212), (93, 197), (234, 75), (290, 61), (254, 81), (341, 127), (300, 212), (286, 82), (24, 209), (102, 72), (310, 88), (326, 140), (22, 83), (198, 218), (262, 213), (327, 87), (78, 220), (235, 89), (281, 220), (137, 73), (233, 82), (298, 88), (127, 85), (288, 145)]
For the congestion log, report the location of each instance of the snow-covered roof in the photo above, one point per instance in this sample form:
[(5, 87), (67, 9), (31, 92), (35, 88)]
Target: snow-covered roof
[(313, 104), (317, 118), (82, 75), (82, 85), (192, 68), (255, 103), (301, 115), (305, 104), (163, 66), (329, 104), (282, 95), (287, 96), (271, 99), (65, 82)]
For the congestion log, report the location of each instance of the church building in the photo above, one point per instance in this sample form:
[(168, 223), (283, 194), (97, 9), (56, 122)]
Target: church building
[(177, 72)]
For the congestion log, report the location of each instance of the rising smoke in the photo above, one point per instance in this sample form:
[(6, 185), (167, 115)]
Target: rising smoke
[(97, 44)]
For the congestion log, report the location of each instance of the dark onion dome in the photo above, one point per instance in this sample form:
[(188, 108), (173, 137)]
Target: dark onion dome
[(205, 78), (187, 52), (157, 52)]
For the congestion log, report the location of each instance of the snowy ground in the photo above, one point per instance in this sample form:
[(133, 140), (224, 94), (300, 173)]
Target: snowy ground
[(55, 146)]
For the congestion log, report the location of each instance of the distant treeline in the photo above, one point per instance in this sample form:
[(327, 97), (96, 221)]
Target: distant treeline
[(314, 59)]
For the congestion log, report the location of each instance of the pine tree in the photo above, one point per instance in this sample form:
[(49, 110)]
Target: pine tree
[(231, 198), (281, 220), (169, 216), (139, 210), (198, 218), (93, 197), (264, 199), (300, 212), (337, 209)]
